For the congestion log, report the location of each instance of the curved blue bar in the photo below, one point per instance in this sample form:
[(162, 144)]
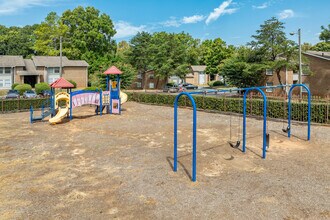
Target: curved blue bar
[(194, 156), (309, 109), (264, 147)]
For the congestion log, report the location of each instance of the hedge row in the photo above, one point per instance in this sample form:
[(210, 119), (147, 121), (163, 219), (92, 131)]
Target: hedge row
[(12, 105), (275, 109)]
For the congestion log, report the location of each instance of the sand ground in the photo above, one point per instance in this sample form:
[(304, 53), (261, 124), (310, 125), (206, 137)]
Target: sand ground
[(121, 167)]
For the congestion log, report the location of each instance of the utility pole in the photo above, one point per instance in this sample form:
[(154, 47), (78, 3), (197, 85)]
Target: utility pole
[(300, 65), (60, 56)]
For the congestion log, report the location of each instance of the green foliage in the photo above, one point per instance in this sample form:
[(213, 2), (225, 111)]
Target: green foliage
[(13, 105), (213, 52), (92, 88), (40, 87), (21, 88), (73, 83), (275, 109), (14, 85), (215, 83), (325, 34), (322, 46)]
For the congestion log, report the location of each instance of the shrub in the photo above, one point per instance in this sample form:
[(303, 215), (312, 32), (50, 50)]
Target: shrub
[(14, 85), (40, 87), (216, 83), (73, 82), (22, 88), (92, 88)]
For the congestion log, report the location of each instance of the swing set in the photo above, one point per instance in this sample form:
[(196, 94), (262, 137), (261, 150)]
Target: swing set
[(266, 136)]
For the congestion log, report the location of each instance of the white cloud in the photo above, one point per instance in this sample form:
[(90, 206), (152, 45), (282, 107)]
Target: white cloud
[(173, 22), (8, 7), (125, 29), (262, 6), (221, 10), (192, 19), (287, 13)]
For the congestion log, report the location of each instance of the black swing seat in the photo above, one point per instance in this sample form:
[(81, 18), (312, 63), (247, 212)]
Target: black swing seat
[(234, 145), (267, 141), (286, 130)]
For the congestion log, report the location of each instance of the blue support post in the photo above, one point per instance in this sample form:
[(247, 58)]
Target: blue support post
[(194, 155), (70, 106), (101, 106), (309, 110), (264, 144), (31, 114)]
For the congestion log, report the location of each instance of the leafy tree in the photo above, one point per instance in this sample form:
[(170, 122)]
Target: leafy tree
[(213, 52), (325, 34), (48, 36), (322, 46)]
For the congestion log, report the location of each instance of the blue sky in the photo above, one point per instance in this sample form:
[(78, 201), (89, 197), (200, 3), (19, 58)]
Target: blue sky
[(232, 20)]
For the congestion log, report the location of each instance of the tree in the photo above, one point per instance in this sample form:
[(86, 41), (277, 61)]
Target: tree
[(272, 47), (325, 34), (322, 46), (213, 52), (48, 36)]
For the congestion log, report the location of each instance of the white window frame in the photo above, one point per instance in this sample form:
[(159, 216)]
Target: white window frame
[(153, 85), (7, 83), (7, 68), (151, 76), (269, 72), (269, 89), (2, 83), (139, 76), (138, 85)]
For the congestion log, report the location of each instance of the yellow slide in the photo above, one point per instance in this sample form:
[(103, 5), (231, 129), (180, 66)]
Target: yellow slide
[(123, 97), (62, 112)]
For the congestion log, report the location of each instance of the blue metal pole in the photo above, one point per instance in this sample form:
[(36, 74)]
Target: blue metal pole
[(309, 114), (107, 82), (264, 144), (289, 111), (194, 154), (70, 106), (101, 106), (244, 120), (31, 114)]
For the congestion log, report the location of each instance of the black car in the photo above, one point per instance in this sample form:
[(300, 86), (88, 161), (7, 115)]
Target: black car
[(12, 94), (188, 86)]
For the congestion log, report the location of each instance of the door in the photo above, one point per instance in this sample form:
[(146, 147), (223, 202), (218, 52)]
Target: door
[(201, 78), (31, 80)]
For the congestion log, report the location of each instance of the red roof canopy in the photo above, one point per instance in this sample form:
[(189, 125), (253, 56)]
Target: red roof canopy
[(61, 83), (113, 70)]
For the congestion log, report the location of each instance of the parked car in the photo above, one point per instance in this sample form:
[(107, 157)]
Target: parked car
[(12, 94), (29, 94), (189, 86), (172, 88), (46, 93)]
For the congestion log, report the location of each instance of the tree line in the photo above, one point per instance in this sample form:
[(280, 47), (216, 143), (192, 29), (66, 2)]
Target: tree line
[(89, 35)]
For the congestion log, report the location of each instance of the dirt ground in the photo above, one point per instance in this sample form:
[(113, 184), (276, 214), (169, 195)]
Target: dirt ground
[(120, 166)]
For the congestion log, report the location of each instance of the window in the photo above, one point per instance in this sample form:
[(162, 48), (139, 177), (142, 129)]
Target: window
[(53, 70), (139, 76), (52, 79), (138, 85), (303, 89), (7, 70), (269, 89), (1, 83), (269, 72), (151, 85), (7, 83), (151, 76)]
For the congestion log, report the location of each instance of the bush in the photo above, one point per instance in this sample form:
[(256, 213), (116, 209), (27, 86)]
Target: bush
[(22, 88), (40, 87), (73, 82), (216, 83), (14, 85), (275, 109)]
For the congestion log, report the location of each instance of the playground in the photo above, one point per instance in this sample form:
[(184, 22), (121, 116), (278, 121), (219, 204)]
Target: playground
[(121, 166)]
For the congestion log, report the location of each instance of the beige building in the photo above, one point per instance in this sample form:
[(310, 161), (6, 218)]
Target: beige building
[(197, 75), (15, 69)]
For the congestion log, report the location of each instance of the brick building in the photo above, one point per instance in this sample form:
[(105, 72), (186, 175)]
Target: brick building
[(15, 69)]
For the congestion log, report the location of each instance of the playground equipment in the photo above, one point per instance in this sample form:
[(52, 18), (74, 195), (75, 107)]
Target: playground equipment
[(62, 112), (266, 136), (47, 109), (114, 87)]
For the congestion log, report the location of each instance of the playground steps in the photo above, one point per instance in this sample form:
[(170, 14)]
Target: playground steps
[(43, 115)]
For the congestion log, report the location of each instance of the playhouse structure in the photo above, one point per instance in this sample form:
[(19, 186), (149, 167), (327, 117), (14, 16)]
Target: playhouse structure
[(112, 99)]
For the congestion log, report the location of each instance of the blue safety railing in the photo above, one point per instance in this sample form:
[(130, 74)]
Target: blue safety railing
[(264, 142), (194, 153), (309, 110)]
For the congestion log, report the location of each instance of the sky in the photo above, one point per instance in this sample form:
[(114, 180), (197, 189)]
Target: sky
[(234, 21)]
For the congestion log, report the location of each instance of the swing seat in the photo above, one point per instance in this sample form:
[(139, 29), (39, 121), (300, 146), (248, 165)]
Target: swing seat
[(234, 145), (286, 130), (267, 141)]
